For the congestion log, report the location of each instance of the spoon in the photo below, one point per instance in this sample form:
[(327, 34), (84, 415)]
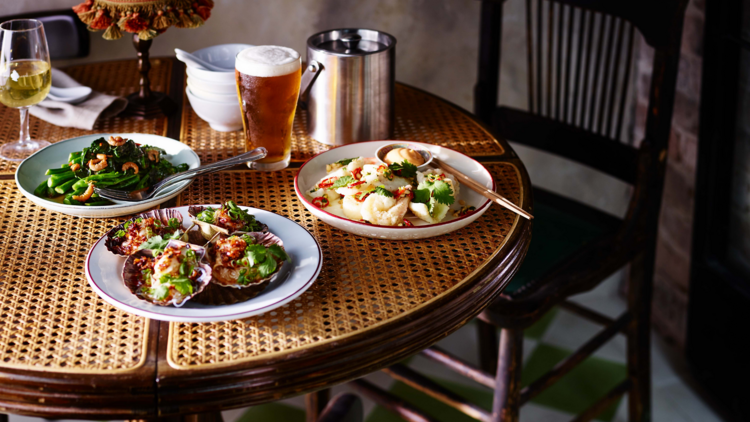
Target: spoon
[(196, 61), (384, 150), (70, 95)]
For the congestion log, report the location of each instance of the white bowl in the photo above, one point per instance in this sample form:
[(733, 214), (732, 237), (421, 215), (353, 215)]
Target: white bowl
[(220, 55), (211, 94), (217, 87), (224, 117), (31, 173), (314, 169)]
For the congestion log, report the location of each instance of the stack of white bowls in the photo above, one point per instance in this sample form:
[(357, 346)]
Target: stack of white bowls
[(213, 95)]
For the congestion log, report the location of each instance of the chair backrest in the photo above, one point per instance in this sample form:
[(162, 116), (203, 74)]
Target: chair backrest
[(579, 55), (67, 36)]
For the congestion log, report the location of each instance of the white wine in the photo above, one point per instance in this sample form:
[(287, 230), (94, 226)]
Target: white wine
[(24, 82)]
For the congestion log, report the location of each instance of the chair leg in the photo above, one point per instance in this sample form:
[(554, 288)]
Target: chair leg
[(487, 335), (506, 403), (639, 337), (315, 403)]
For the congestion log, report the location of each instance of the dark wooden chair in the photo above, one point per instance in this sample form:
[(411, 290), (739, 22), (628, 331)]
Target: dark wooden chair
[(579, 56), (344, 407)]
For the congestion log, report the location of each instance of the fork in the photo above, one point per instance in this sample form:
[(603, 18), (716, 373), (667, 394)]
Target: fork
[(145, 194)]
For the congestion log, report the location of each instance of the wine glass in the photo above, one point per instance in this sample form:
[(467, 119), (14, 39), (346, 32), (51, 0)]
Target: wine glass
[(25, 78)]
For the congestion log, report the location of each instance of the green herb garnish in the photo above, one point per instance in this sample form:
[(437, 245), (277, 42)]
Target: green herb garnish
[(404, 169), (120, 233), (380, 190), (345, 161), (342, 182)]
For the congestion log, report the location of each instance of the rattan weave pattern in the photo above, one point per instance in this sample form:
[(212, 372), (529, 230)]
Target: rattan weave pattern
[(113, 78), (371, 282), (52, 319), (419, 117)]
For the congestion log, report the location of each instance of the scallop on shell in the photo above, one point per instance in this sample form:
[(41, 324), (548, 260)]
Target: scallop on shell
[(133, 280), (114, 244), (224, 289), (209, 230)]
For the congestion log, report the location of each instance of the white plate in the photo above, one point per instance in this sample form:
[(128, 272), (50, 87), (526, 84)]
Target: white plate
[(314, 169), (31, 173), (104, 272)]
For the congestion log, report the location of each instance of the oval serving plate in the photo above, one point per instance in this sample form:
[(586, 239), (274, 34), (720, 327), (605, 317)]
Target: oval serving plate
[(314, 169), (103, 271), (30, 173)]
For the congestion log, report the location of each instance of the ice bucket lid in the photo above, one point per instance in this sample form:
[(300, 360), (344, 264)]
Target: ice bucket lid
[(351, 41)]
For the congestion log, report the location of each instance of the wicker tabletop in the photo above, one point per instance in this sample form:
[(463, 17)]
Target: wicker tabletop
[(65, 352)]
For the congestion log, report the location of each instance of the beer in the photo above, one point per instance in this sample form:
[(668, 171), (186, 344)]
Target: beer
[(24, 83), (268, 80)]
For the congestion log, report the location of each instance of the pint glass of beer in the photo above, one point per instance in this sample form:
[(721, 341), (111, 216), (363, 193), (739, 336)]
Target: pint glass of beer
[(268, 79)]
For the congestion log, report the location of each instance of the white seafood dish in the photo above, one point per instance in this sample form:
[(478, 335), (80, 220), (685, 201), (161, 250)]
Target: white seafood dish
[(359, 194)]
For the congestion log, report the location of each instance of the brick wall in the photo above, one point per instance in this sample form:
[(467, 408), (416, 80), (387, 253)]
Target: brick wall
[(672, 275)]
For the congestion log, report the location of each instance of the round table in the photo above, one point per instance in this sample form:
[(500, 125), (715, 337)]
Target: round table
[(66, 353)]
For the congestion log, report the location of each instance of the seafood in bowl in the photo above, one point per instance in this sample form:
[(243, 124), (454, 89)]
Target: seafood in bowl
[(226, 219), (362, 189), (169, 277), (150, 230)]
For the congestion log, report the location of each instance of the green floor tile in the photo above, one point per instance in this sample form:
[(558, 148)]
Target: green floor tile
[(272, 412), (537, 330), (439, 411), (580, 388)]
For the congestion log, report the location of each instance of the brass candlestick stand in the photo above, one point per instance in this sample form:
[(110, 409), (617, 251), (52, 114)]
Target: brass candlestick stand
[(146, 104)]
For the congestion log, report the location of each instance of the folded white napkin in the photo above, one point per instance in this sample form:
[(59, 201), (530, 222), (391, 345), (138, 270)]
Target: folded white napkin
[(82, 115)]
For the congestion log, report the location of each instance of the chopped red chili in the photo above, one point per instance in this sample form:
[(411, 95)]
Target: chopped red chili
[(327, 183), (320, 202), (357, 173), (361, 182)]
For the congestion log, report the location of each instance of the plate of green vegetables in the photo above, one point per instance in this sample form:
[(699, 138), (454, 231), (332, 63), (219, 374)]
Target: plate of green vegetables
[(59, 177)]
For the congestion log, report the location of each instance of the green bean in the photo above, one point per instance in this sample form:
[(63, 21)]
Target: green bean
[(41, 190), (135, 179), (70, 201), (103, 176), (80, 184), (73, 156), (64, 169), (61, 189), (51, 192), (58, 179)]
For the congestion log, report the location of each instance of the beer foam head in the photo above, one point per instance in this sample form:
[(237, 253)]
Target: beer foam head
[(267, 60)]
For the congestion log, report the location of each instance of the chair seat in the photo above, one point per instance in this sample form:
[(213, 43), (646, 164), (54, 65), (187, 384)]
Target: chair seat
[(561, 228)]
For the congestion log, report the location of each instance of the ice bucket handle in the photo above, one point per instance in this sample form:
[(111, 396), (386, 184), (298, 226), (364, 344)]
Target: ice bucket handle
[(308, 79)]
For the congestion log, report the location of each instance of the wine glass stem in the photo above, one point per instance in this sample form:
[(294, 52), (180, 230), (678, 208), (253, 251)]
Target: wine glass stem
[(25, 136)]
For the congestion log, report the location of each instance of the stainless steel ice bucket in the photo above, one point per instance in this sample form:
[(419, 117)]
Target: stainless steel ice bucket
[(347, 86)]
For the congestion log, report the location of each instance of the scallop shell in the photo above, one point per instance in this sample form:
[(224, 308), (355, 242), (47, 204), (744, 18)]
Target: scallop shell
[(113, 243), (224, 293), (209, 230), (131, 276)]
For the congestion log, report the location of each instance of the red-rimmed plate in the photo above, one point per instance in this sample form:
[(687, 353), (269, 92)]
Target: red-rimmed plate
[(314, 169), (104, 273)]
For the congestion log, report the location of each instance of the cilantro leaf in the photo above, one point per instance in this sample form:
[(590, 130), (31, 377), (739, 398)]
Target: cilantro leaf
[(155, 243), (267, 267), (421, 196), (404, 169), (257, 253), (120, 233), (278, 252), (343, 182), (183, 285), (380, 190), (160, 292), (443, 193), (345, 161)]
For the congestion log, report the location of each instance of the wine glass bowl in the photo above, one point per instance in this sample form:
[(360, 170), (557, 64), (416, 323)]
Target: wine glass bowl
[(25, 79)]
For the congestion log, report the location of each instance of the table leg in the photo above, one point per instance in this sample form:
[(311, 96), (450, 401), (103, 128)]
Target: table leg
[(315, 403)]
